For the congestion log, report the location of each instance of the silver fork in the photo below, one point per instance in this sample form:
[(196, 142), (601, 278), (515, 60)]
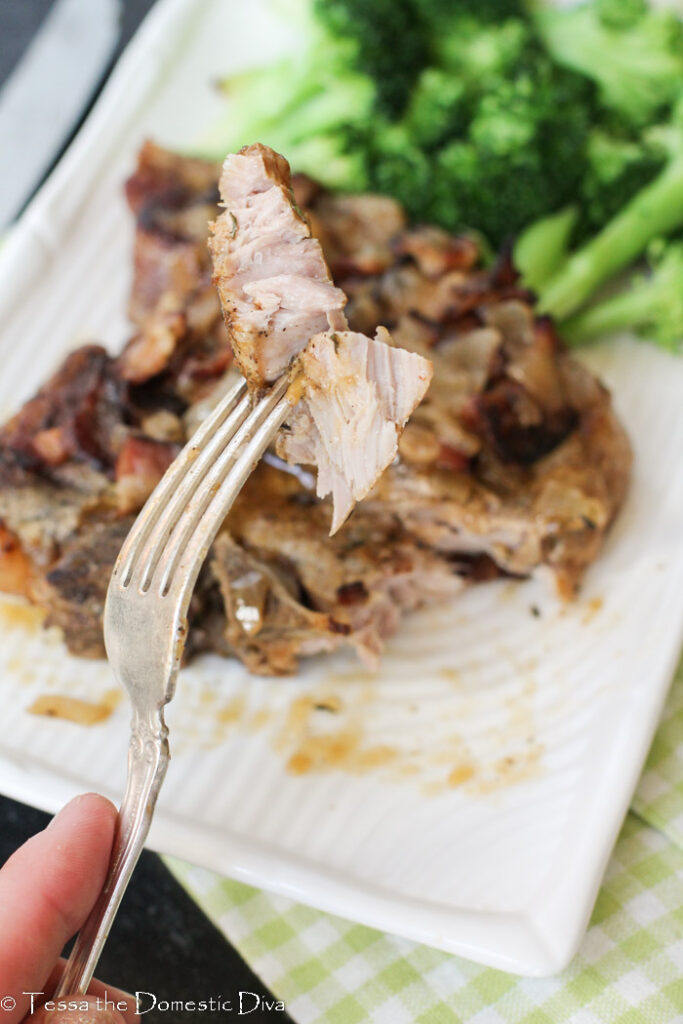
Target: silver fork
[(145, 621)]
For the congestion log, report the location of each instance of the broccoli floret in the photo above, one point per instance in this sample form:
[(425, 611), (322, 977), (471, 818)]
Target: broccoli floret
[(617, 169), (620, 13), (476, 52), (438, 109), (498, 192), (435, 12), (651, 305), (397, 166), (543, 247), (656, 210), (522, 154), (390, 43), (331, 161), (302, 106), (356, 65), (638, 67)]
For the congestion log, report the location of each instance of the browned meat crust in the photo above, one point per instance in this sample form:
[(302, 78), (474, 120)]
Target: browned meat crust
[(74, 588), (173, 303), (74, 416), (514, 462)]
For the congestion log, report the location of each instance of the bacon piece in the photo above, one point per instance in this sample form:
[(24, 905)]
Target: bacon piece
[(75, 415), (140, 466)]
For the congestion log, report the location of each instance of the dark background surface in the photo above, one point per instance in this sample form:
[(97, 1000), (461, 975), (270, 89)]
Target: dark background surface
[(19, 19), (161, 942)]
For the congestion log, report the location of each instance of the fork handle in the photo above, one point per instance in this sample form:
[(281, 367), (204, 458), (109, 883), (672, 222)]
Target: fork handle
[(148, 757)]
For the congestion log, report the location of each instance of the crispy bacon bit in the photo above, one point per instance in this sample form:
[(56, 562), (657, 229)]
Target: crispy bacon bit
[(356, 232), (451, 458), (207, 365), (52, 445), (159, 170), (167, 271), (436, 252), (352, 593), (139, 467), (74, 415), (150, 352)]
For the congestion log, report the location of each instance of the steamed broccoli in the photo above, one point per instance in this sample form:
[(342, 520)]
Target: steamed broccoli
[(543, 247), (620, 13), (438, 109), (521, 154), (302, 106), (389, 40), (397, 166), (656, 210), (636, 59), (435, 12), (616, 169), (651, 305), (475, 114), (477, 52), (476, 126)]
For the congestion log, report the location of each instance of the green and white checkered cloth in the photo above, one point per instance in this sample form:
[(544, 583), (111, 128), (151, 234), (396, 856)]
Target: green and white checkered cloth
[(629, 969)]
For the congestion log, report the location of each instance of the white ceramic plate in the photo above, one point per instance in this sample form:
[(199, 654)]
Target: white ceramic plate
[(469, 795)]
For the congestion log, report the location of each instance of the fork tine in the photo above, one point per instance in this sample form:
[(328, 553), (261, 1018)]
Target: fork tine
[(212, 433), (193, 553), (201, 460), (243, 450)]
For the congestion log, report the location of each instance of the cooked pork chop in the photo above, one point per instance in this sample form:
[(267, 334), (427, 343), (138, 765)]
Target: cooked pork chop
[(280, 305), (513, 464), (272, 279)]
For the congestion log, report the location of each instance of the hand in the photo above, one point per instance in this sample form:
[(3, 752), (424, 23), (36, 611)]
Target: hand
[(47, 889)]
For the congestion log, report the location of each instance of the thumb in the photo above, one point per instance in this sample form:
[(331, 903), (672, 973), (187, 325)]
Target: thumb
[(76, 1010)]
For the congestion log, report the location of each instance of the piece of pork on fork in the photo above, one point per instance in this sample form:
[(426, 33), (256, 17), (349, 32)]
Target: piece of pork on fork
[(284, 313)]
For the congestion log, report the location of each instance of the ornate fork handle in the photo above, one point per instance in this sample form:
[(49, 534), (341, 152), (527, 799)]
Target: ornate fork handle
[(145, 618), (148, 757)]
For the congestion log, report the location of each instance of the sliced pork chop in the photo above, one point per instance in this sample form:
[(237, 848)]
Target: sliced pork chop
[(279, 303), (272, 279)]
